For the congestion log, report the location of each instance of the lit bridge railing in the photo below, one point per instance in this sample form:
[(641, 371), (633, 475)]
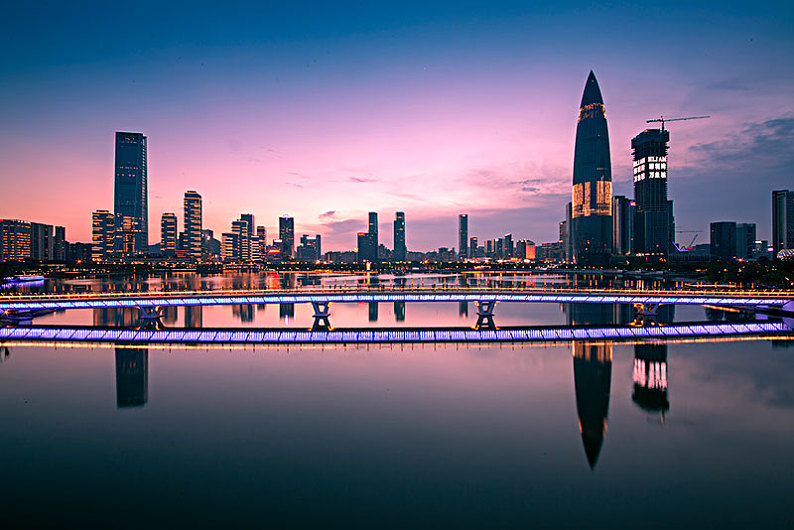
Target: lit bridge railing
[(358, 336), (243, 297)]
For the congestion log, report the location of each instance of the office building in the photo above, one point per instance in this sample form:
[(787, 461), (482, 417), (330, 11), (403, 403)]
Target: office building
[(168, 234), (400, 249), (310, 249), (723, 240), (782, 220), (130, 194), (372, 231), (463, 236), (622, 224), (230, 244), (591, 215), (102, 235), (242, 249), (653, 214), (745, 240), (249, 218), (473, 249), (192, 243), (286, 233)]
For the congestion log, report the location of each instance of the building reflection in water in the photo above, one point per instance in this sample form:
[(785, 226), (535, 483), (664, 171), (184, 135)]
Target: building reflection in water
[(463, 309), (650, 378), (126, 317), (245, 312), (170, 315), (399, 311), (286, 311), (592, 374), (132, 377), (373, 311), (194, 316)]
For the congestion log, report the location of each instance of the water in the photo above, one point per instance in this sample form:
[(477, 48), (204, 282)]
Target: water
[(672, 435)]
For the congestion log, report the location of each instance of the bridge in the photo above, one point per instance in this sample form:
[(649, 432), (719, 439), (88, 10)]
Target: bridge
[(281, 336), (150, 303)]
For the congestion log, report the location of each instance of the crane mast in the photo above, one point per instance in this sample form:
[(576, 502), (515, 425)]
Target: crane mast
[(662, 119)]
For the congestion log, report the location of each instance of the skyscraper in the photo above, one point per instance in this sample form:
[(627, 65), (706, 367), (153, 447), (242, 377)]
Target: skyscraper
[(372, 230), (192, 224), (130, 193), (102, 235), (463, 236), (286, 232), (653, 215), (723, 240), (14, 240), (249, 218), (400, 250), (782, 220), (242, 252), (168, 234), (591, 222)]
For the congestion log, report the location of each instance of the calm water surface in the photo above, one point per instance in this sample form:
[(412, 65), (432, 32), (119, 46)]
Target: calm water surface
[(619, 435)]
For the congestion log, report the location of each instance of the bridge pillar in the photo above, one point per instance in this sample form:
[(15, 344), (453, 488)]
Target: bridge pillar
[(646, 314), (485, 314), (149, 318), (321, 314)]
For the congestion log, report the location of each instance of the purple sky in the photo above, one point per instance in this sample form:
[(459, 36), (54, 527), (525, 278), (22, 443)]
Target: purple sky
[(434, 110)]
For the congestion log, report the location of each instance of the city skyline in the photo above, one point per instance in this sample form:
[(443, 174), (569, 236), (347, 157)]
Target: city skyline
[(450, 111)]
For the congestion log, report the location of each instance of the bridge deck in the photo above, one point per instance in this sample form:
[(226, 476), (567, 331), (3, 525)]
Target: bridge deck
[(202, 298), (369, 335)]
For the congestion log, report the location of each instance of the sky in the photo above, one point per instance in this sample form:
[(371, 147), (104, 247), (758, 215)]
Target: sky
[(328, 110)]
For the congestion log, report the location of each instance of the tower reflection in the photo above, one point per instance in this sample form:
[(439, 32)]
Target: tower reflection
[(650, 378), (132, 377), (399, 311), (592, 374)]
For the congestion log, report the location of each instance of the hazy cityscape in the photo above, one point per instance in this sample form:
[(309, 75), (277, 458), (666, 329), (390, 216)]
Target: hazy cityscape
[(312, 265)]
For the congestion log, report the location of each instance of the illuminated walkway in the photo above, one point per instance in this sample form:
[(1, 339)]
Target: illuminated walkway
[(773, 299), (408, 335)]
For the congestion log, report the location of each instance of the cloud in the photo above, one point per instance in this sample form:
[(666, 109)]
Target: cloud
[(327, 215), (362, 179)]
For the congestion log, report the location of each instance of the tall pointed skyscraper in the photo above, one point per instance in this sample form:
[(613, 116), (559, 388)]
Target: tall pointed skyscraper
[(591, 215)]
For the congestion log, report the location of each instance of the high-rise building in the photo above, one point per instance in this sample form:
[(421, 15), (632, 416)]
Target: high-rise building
[(242, 251), (463, 236), (286, 232), (400, 249), (782, 220), (310, 249), (509, 250), (130, 193), (473, 250), (745, 240), (192, 224), (168, 234), (723, 240), (364, 250), (372, 230), (60, 244), (249, 218), (42, 242), (102, 235), (230, 244), (14, 240), (622, 224), (591, 223), (653, 215)]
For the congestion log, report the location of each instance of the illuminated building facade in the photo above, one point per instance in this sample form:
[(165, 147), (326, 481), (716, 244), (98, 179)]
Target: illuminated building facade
[(286, 233), (591, 212), (400, 249), (130, 194), (242, 249), (42, 242), (102, 235), (168, 234), (622, 225), (463, 236), (372, 231), (132, 377), (653, 215), (192, 212), (650, 378), (592, 374), (14, 240)]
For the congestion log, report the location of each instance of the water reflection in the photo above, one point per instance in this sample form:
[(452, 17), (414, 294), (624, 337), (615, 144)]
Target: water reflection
[(245, 312), (399, 311), (286, 311), (592, 374), (650, 378), (126, 317), (132, 377), (463, 309), (194, 317), (373, 311)]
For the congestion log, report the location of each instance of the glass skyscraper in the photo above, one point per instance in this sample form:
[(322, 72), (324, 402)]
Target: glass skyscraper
[(192, 242), (653, 216), (286, 232), (400, 250), (463, 236), (130, 194), (591, 215)]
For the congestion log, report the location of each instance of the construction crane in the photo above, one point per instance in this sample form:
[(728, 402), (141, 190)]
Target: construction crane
[(663, 119), (691, 244)]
